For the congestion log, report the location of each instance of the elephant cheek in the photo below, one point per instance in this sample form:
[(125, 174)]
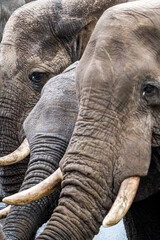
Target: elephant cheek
[(134, 158)]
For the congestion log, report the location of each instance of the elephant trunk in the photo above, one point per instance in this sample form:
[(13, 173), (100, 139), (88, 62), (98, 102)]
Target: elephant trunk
[(79, 213), (85, 195), (38, 212), (11, 177)]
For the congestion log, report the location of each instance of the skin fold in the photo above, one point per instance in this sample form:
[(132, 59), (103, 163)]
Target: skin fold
[(116, 134), (28, 59)]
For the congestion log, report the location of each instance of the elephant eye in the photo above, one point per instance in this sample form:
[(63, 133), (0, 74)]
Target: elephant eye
[(149, 90), (36, 76), (38, 79), (151, 94)]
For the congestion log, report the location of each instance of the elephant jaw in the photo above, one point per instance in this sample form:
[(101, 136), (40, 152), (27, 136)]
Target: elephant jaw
[(16, 156), (118, 210)]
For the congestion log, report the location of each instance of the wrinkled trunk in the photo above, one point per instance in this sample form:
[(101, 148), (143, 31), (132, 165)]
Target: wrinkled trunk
[(86, 187), (11, 177), (14, 107), (44, 161), (81, 208)]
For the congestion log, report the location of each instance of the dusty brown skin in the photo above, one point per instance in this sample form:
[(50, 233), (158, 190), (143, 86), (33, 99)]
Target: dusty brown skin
[(118, 84)]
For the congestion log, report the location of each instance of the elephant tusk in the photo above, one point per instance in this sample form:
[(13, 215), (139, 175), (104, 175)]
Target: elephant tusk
[(16, 156), (44, 188), (123, 201), (4, 212)]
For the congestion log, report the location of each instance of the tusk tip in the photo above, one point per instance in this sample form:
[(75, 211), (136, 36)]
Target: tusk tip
[(108, 223), (12, 201), (105, 224), (122, 202), (5, 200), (19, 154), (4, 212)]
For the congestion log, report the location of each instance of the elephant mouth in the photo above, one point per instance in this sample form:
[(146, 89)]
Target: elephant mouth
[(118, 210)]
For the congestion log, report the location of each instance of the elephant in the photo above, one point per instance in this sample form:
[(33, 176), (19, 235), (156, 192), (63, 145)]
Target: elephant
[(48, 128), (114, 149)]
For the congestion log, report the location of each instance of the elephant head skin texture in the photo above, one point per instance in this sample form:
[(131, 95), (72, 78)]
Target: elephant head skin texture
[(7, 8), (117, 128), (40, 40)]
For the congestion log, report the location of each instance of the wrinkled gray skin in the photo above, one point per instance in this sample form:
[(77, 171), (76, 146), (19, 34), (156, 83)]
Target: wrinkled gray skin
[(117, 127), (28, 59), (7, 8), (48, 129)]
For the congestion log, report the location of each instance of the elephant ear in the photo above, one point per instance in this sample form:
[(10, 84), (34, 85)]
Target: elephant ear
[(78, 19)]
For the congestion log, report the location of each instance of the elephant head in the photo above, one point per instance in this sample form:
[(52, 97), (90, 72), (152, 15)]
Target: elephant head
[(117, 128), (48, 129), (40, 40)]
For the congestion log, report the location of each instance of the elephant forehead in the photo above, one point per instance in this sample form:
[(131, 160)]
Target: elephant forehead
[(60, 90), (121, 52), (60, 83), (27, 26)]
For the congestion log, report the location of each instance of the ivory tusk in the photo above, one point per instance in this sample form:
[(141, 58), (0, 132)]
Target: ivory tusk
[(44, 188), (4, 212), (123, 201), (16, 156)]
